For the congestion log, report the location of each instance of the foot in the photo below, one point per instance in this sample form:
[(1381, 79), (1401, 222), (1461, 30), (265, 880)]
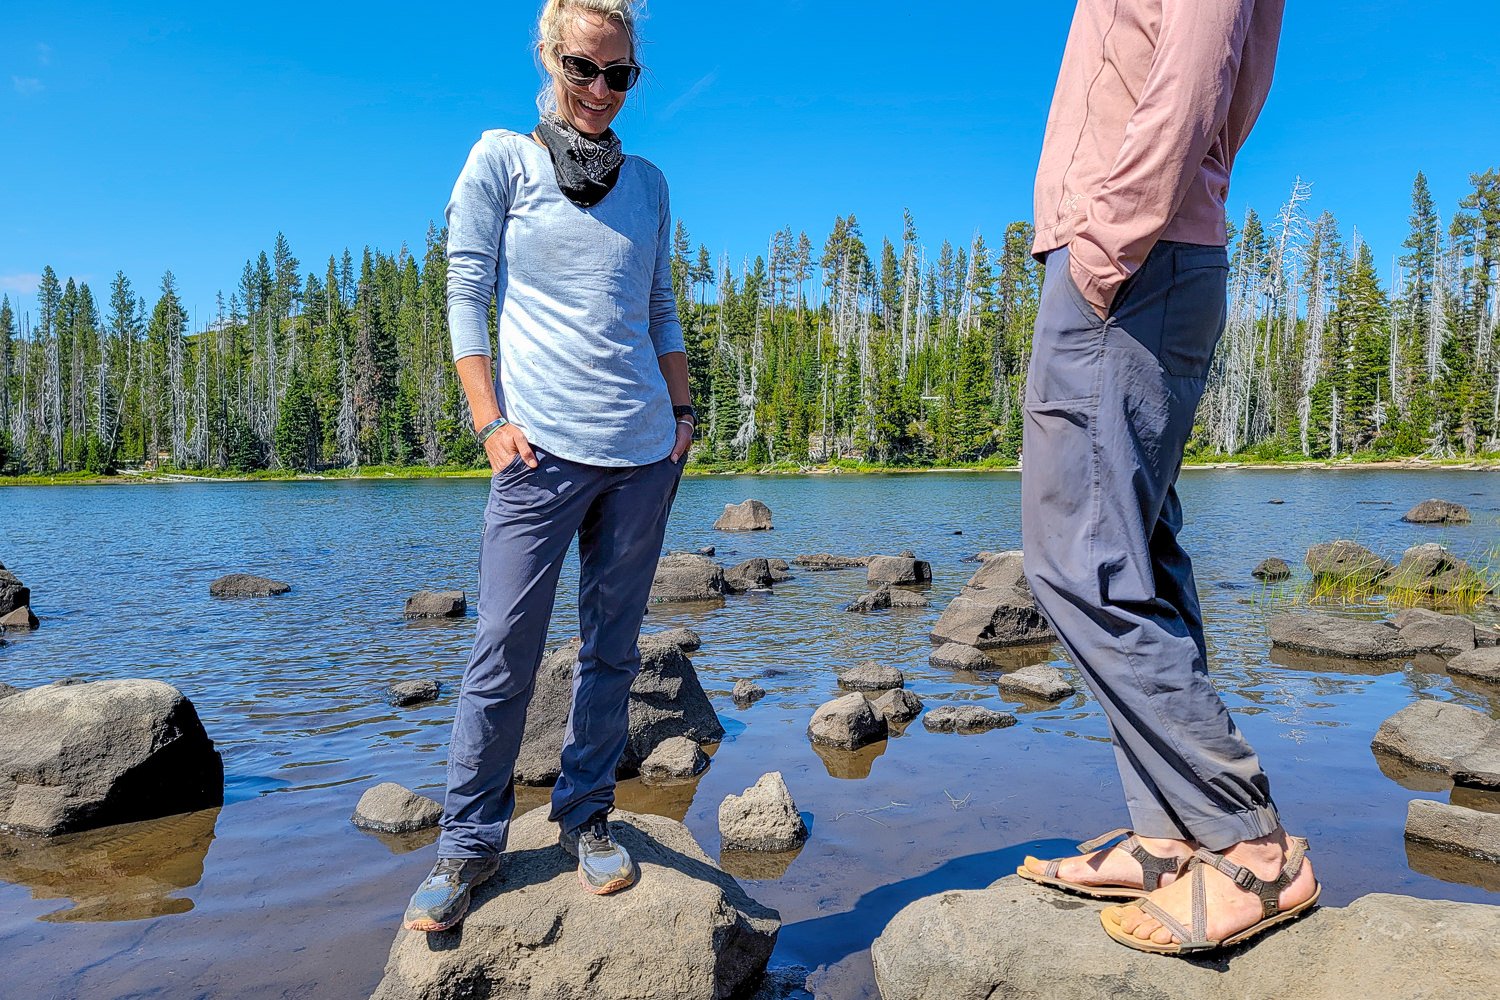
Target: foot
[(442, 899), (1114, 866), (603, 865), (1230, 908)]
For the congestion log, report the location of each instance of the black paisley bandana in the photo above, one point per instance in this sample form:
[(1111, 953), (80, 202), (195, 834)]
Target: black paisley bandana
[(586, 168)]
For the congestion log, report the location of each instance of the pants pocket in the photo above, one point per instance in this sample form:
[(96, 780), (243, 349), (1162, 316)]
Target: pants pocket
[(1196, 310), (1068, 341)]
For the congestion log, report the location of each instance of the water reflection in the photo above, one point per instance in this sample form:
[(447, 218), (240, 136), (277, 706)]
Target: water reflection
[(1451, 867), (126, 872), (850, 765), (758, 866)]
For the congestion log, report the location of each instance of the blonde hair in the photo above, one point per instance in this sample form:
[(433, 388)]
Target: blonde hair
[(555, 18)]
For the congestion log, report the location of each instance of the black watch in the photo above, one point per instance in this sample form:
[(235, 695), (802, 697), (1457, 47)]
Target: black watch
[(685, 412)]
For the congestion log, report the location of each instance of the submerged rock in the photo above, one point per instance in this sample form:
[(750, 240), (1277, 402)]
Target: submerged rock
[(1345, 563), (846, 723), (957, 656), (1455, 829), (1038, 681), (1429, 632), (391, 808), (966, 719), (78, 756), (686, 929), (674, 759), (898, 570), (405, 693), (681, 577), (1438, 512), (946, 946), (823, 562), (1482, 664), (666, 700), (897, 706), (995, 609), (1272, 570), (437, 604), (871, 676), (751, 515), (747, 693), (245, 585), (752, 574), (1338, 636), (1434, 735), (763, 818)]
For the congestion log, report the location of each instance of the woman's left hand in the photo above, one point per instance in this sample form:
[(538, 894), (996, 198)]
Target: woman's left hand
[(684, 442)]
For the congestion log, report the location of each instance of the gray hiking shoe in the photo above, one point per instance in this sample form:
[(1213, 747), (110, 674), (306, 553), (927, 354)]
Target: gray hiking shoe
[(443, 897), (603, 865)]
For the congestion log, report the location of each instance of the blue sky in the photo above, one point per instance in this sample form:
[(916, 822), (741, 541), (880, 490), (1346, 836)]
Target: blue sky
[(185, 135)]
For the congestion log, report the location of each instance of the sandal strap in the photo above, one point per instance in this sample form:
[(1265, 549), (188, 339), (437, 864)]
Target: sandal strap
[(1196, 938), (1268, 891), (1090, 846), (1053, 867), (1153, 866)]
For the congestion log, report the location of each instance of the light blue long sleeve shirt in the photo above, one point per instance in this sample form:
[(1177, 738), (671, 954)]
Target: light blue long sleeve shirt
[(584, 295)]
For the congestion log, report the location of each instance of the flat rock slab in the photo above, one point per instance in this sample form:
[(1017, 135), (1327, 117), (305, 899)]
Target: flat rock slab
[(1338, 636), (898, 706), (871, 676), (749, 515), (951, 947), (1434, 735), (681, 577), (883, 598), (1480, 767), (406, 693), (1454, 829), (966, 719), (1438, 512), (686, 929), (957, 656), (763, 818), (846, 723), (392, 808), (1483, 664), (1039, 681), (823, 562), (245, 585), (675, 759), (437, 604), (1430, 632)]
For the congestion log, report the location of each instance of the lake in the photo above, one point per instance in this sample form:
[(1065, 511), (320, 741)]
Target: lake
[(278, 895)]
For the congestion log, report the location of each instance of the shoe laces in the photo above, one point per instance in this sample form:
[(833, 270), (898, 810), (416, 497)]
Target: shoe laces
[(449, 869), (595, 832)]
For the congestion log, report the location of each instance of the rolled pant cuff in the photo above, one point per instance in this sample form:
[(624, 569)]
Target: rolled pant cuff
[(1225, 832)]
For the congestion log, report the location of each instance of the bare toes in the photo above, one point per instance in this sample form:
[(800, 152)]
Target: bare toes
[(1035, 865), (1161, 936)]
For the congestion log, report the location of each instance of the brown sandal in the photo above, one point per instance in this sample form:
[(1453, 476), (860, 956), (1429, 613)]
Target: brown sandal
[(1153, 867), (1196, 939)]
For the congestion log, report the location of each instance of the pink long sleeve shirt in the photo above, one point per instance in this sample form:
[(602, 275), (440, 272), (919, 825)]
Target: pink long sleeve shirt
[(1154, 100)]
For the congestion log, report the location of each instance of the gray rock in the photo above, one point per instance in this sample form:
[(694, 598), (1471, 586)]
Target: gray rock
[(404, 693), (437, 604), (78, 756), (1433, 735), (20, 620), (1455, 829), (6, 690), (1272, 570), (675, 759), (897, 570), (684, 639), (666, 700), (764, 818), (1437, 512), (823, 562), (966, 719), (245, 585), (871, 676), (1483, 664), (390, 808), (780, 570), (1431, 570), (957, 656), (897, 706), (999, 571), (747, 693), (752, 574), (751, 515), (1338, 636), (1429, 632), (946, 946), (1480, 767), (1345, 562), (689, 929), (706, 550), (1038, 681), (883, 598), (994, 618), (13, 593), (846, 723), (682, 577)]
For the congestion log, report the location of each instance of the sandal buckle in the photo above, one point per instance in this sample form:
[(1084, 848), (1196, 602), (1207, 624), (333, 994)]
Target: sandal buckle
[(1246, 879)]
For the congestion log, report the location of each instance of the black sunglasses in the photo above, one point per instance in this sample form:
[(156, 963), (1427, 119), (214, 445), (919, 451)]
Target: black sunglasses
[(581, 72)]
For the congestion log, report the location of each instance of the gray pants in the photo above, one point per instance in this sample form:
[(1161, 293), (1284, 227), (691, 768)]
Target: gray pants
[(1109, 408), (620, 518)]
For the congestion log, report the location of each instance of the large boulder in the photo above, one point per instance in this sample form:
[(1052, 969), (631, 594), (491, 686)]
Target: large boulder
[(686, 929), (78, 756), (1431, 570), (1434, 735), (846, 723), (822, 562), (391, 808), (1338, 636), (437, 604), (752, 574), (947, 946), (898, 570), (995, 609), (966, 719), (245, 585), (1481, 664), (764, 818), (666, 700), (871, 676), (1430, 632), (13, 593), (751, 515), (1454, 828), (1345, 563), (1437, 512), (681, 577)]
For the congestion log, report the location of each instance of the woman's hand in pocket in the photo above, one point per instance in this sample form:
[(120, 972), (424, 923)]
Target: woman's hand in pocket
[(504, 445)]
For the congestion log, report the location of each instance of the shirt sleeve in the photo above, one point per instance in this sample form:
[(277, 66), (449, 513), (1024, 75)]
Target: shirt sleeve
[(476, 217), (1182, 109), (666, 328)]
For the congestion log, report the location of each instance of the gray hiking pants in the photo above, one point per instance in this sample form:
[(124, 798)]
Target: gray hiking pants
[(1109, 408), (620, 518)]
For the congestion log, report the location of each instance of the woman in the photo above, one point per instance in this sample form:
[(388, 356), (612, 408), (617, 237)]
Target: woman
[(585, 421)]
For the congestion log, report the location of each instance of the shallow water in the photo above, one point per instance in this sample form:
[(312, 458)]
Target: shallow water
[(277, 895)]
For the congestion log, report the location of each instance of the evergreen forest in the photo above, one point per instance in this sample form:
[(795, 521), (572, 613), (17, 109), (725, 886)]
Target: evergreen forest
[(849, 353)]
